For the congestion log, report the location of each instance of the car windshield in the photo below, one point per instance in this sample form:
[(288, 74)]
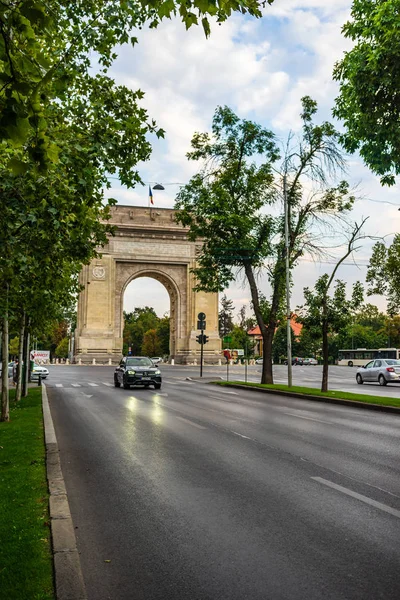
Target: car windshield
[(139, 361), (391, 361)]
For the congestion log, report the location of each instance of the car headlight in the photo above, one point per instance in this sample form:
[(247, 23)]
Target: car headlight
[(158, 372), (131, 372)]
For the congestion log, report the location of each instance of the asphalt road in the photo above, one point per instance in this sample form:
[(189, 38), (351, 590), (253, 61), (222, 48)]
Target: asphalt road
[(202, 493)]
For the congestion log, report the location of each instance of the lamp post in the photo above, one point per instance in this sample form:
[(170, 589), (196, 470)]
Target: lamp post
[(288, 315)]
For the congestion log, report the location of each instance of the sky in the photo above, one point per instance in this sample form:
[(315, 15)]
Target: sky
[(261, 69)]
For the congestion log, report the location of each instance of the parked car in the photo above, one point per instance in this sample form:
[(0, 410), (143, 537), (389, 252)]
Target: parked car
[(39, 370), (382, 371), (10, 369), (259, 361), (157, 360), (137, 370), (296, 360), (310, 361)]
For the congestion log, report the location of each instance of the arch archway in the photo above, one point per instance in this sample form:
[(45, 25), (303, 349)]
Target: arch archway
[(174, 299), (146, 243)]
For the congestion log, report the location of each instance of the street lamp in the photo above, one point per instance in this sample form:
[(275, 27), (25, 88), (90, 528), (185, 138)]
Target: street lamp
[(158, 186)]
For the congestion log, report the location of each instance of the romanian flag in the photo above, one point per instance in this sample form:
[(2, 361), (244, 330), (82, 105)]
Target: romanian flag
[(150, 196)]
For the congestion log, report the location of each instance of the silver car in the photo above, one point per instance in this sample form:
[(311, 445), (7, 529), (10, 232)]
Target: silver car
[(381, 370)]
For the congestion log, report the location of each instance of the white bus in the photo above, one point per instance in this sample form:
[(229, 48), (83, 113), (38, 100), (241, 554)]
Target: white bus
[(360, 356)]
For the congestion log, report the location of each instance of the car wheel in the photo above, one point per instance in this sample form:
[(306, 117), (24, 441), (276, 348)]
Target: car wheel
[(382, 380), (116, 383), (127, 386), (359, 379), (157, 386), (350, 363)]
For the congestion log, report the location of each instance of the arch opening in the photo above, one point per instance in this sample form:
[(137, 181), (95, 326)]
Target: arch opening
[(148, 309)]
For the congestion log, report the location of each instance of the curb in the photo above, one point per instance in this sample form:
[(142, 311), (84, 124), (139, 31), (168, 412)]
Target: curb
[(342, 401), (67, 565)]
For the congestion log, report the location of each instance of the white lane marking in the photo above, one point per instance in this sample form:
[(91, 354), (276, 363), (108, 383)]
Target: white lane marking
[(339, 488), (190, 423), (76, 384), (59, 385), (93, 384), (107, 384), (165, 395), (87, 395), (308, 418), (241, 435), (233, 393)]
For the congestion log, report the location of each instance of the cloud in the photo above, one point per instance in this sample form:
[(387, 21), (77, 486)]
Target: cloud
[(261, 69)]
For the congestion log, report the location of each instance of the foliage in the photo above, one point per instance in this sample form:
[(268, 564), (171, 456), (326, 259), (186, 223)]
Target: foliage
[(225, 316), (228, 205), (328, 313), (13, 346), (151, 344), (62, 348), (369, 76), (163, 334), (383, 274), (45, 50), (139, 322), (279, 345)]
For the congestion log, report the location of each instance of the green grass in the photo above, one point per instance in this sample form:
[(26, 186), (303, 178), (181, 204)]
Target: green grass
[(26, 565), (384, 400)]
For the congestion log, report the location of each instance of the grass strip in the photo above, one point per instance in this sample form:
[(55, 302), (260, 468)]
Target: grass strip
[(26, 564), (307, 391)]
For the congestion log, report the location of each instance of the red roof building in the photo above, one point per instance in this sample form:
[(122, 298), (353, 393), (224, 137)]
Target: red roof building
[(255, 334)]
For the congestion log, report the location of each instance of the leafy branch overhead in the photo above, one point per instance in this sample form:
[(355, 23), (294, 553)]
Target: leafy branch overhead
[(369, 78), (45, 50)]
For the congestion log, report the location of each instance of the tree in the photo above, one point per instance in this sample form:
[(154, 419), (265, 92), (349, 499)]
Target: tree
[(13, 346), (225, 316), (62, 348), (163, 334), (137, 323), (329, 313), (151, 344), (279, 345), (369, 77), (383, 275), (228, 205)]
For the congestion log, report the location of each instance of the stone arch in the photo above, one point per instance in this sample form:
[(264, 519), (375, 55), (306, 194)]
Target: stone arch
[(172, 287), (147, 242)]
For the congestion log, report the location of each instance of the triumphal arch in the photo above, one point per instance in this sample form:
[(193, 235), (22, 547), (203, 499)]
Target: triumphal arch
[(148, 242)]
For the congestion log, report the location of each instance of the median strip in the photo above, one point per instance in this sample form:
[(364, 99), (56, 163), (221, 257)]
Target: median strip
[(380, 403)]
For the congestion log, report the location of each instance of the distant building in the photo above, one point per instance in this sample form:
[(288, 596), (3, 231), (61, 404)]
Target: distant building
[(255, 335)]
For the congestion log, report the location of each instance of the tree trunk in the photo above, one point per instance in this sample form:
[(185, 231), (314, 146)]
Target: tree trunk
[(266, 376), (5, 402), (26, 359), (18, 391), (325, 355)]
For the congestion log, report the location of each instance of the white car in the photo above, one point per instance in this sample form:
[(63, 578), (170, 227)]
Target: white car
[(259, 361), (157, 360), (310, 361), (38, 370)]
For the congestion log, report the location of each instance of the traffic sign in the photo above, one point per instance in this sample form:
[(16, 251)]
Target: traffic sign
[(201, 316), (227, 339)]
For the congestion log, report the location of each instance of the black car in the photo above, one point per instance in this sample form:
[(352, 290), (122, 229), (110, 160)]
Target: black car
[(137, 370)]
